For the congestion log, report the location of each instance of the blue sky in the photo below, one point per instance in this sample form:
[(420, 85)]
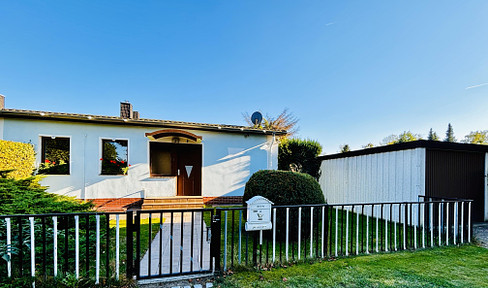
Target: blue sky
[(352, 71)]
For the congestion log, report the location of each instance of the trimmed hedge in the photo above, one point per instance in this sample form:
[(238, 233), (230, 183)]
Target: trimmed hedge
[(287, 188), (19, 158), (284, 187)]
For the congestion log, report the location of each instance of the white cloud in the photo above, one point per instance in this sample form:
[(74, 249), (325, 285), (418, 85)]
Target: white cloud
[(476, 86)]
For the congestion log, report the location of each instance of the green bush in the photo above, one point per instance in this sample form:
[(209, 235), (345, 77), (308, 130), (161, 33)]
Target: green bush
[(300, 156), (287, 188), (18, 158), (64, 281), (27, 196), (284, 187)]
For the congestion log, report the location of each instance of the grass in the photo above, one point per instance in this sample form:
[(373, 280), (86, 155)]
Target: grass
[(453, 266), (144, 229), (47, 240), (356, 238)]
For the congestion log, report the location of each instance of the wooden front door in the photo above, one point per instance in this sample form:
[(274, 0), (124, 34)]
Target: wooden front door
[(183, 161), (189, 165)]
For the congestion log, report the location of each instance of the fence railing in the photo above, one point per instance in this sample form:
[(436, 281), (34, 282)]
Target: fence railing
[(87, 245), (148, 244), (329, 230), (178, 245)]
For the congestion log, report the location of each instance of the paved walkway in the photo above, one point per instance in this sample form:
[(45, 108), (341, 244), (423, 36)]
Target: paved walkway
[(172, 250), (480, 233)]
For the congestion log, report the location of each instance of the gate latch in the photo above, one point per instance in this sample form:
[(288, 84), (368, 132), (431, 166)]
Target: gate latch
[(209, 234)]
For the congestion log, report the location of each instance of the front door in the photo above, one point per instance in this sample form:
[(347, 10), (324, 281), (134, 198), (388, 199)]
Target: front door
[(189, 170), (183, 161)]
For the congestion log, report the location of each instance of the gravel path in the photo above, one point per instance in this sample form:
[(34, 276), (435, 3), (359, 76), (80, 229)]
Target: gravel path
[(480, 233)]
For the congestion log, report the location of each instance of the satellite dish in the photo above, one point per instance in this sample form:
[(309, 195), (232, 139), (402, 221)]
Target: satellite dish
[(256, 118)]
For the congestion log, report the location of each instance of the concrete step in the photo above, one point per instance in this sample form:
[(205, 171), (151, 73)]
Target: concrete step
[(184, 202), (177, 200)]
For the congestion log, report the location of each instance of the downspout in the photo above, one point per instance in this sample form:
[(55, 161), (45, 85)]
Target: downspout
[(83, 191), (271, 151)]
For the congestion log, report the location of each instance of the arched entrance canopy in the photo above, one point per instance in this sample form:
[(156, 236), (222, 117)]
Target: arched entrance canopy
[(174, 134)]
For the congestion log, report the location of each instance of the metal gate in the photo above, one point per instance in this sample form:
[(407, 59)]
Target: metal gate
[(169, 242)]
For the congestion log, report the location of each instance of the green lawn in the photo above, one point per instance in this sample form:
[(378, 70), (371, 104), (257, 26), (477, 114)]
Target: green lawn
[(465, 266), (356, 238)]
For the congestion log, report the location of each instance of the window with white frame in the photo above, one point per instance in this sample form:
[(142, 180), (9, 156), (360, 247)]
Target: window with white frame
[(55, 155), (114, 159)]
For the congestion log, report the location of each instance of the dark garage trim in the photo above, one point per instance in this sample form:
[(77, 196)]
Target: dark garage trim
[(410, 145)]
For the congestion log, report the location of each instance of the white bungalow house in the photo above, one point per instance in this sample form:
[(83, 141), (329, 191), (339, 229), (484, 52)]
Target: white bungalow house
[(121, 161)]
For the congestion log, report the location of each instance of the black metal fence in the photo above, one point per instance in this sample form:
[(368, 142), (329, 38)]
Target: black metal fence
[(317, 231), (51, 245), (178, 245), (150, 244)]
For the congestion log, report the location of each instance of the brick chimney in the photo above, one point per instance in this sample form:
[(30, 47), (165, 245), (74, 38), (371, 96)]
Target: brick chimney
[(126, 110), (2, 102)]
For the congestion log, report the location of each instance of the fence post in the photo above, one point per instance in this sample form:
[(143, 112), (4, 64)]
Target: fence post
[(215, 239), (137, 229), (129, 228)]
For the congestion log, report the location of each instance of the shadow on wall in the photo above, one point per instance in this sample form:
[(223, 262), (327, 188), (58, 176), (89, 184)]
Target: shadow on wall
[(232, 171)]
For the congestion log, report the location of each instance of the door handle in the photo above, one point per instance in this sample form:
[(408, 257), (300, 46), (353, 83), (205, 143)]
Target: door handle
[(178, 172)]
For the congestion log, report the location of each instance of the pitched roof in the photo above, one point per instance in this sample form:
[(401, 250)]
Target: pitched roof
[(99, 119), (437, 145)]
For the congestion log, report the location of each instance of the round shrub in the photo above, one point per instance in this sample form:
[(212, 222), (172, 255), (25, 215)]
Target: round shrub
[(287, 188), (284, 188)]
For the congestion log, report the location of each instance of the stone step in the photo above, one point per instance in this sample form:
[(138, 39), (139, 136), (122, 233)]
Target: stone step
[(177, 200), (171, 206), (183, 202)]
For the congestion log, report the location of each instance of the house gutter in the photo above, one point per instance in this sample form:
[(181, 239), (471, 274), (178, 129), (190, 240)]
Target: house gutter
[(107, 120)]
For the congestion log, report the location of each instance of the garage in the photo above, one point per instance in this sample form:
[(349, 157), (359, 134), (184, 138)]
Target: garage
[(408, 171)]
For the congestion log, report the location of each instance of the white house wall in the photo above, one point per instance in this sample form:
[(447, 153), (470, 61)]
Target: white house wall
[(229, 159), (382, 177)]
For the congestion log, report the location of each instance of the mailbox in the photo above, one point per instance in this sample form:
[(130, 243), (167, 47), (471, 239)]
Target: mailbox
[(258, 214)]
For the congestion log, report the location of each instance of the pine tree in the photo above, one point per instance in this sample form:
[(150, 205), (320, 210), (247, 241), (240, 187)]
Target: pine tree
[(450, 134), (432, 136)]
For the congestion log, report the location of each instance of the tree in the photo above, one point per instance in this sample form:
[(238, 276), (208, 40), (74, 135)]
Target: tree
[(345, 148), (477, 137), (388, 140), (298, 155), (109, 151), (369, 145), (406, 136), (284, 121), (432, 136), (450, 134)]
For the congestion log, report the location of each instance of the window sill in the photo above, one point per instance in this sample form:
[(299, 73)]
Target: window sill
[(53, 174), (112, 175)]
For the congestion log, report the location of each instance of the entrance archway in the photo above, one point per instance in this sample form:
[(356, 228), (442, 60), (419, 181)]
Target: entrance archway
[(177, 153)]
